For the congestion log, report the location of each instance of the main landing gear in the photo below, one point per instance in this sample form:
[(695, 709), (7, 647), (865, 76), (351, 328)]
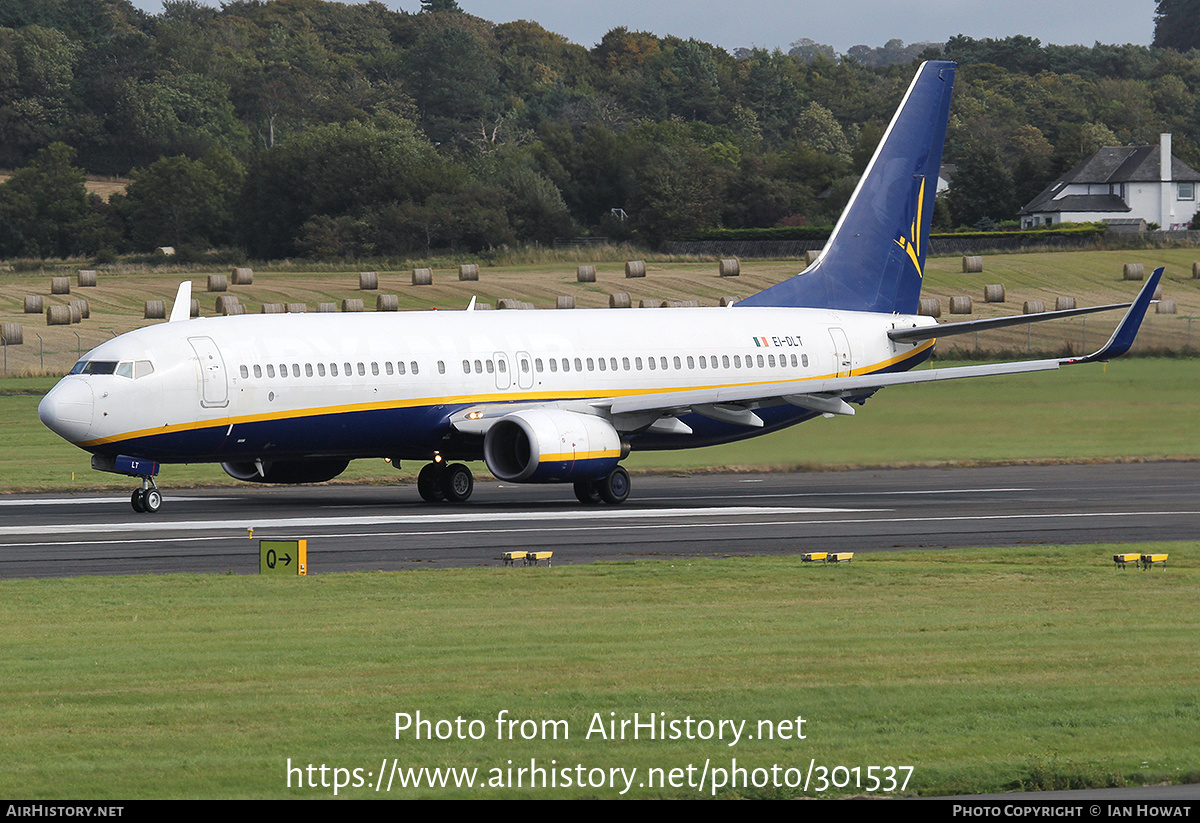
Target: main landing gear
[(148, 498), (613, 489), (452, 483)]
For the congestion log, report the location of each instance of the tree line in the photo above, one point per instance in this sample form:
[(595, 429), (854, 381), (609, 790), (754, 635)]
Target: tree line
[(306, 127)]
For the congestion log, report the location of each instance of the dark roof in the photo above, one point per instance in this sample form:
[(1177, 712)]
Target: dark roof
[(1079, 202), (1112, 164)]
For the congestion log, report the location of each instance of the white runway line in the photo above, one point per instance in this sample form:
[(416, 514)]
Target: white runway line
[(506, 519)]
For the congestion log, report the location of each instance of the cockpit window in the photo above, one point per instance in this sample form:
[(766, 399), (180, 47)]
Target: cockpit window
[(94, 367), (125, 369)]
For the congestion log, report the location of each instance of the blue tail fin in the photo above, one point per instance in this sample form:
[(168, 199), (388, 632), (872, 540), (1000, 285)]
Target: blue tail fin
[(875, 258)]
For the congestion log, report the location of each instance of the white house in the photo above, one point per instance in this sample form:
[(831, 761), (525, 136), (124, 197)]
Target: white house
[(1120, 183)]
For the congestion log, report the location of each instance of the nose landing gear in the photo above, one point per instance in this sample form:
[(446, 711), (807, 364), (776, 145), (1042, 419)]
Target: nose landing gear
[(148, 498)]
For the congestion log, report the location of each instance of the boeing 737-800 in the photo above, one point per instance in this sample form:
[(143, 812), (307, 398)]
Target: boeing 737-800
[(551, 396)]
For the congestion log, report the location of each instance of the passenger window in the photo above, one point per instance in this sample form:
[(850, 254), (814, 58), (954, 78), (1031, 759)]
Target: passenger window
[(321, 369), (612, 363), (283, 370), (537, 364), (524, 365), (270, 370), (245, 372), (308, 369), (591, 364), (662, 361), (466, 367), (760, 360), (578, 364), (295, 369), (333, 369), (400, 367), (678, 364), (637, 363), (603, 365), (491, 367), (479, 367), (257, 370), (503, 366), (691, 362), (804, 360), (441, 367), (553, 365), (413, 364), (650, 361), (737, 361), (703, 362), (374, 368), (388, 367), (771, 360), (566, 364)]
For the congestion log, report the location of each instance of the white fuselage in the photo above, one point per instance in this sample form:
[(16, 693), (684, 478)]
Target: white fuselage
[(385, 384)]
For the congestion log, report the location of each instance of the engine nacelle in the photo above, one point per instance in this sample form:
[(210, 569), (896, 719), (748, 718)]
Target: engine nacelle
[(551, 446), (286, 471)]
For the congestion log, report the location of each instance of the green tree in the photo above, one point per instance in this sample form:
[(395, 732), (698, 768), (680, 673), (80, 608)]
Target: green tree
[(183, 203), (45, 210), (982, 188), (1177, 25)]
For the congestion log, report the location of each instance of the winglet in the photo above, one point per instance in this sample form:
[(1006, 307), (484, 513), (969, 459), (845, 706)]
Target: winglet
[(1122, 338), (182, 307), (471, 305)]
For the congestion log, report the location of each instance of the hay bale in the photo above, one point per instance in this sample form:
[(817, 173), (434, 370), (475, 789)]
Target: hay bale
[(76, 312), (271, 308), (727, 301), (1165, 307), (225, 302), (960, 304), (1134, 271), (236, 308), (635, 268), (619, 300), (972, 265), (194, 308), (1196, 271), (11, 334), (683, 304), (510, 303), (387, 302), (730, 267), (422, 277), (1158, 292), (367, 281), (296, 308), (930, 307), (811, 256), (242, 276), (585, 274), (651, 304), (564, 301), (993, 293), (155, 310), (87, 278), (325, 308), (468, 271), (84, 310), (217, 283), (352, 304), (1064, 303), (33, 304), (1033, 307), (60, 285), (165, 251), (483, 306)]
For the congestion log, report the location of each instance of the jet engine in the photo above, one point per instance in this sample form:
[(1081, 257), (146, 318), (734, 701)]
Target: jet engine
[(286, 471), (552, 446)]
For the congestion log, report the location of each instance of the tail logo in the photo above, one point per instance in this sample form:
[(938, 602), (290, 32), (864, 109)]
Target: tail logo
[(912, 243)]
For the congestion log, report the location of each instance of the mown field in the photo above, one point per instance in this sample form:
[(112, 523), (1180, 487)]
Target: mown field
[(982, 670), (117, 303)]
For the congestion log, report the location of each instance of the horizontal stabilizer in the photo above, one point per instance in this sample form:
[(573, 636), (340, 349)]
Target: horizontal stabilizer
[(968, 326)]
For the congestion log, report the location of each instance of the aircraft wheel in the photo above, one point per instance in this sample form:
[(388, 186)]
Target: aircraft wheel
[(430, 483), (458, 483), (614, 489), (152, 500), (586, 492), (137, 500)]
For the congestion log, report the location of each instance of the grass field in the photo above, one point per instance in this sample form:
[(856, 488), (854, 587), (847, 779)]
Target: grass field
[(983, 670)]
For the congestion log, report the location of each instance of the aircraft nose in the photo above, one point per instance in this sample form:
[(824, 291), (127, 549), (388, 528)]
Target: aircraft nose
[(67, 409)]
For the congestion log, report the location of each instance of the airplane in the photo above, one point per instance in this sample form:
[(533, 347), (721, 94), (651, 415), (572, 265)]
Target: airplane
[(552, 396)]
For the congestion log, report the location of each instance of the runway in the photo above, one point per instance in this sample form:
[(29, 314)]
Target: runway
[(352, 528)]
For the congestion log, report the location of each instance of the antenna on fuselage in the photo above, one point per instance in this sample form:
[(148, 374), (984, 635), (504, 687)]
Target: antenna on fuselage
[(182, 308)]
